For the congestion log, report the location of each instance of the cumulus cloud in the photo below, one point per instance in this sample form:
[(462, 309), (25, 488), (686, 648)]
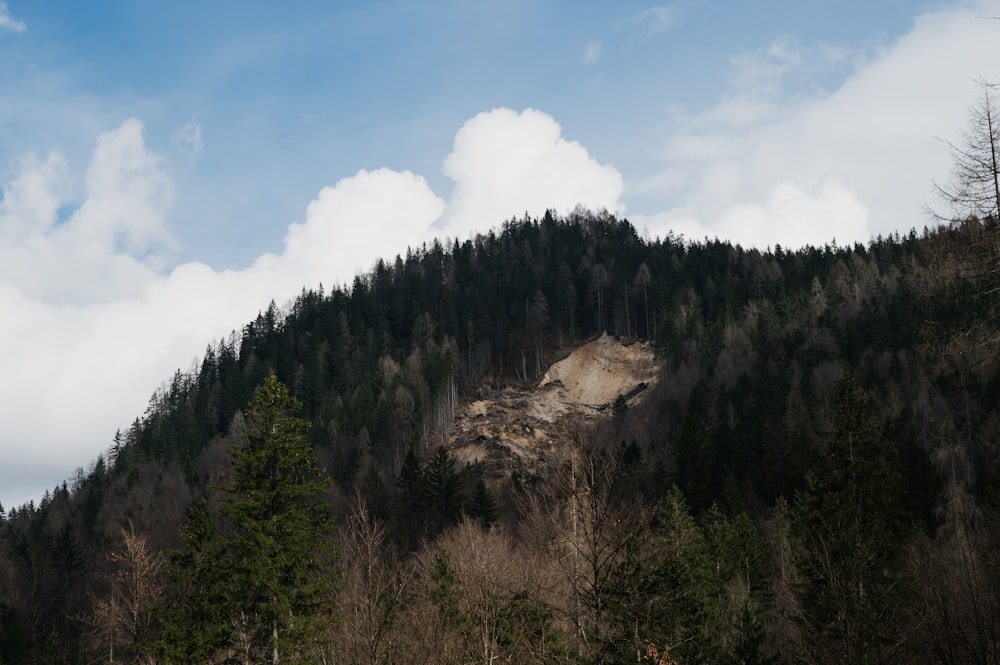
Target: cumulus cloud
[(8, 22), (369, 215), (866, 144), (127, 194), (106, 249), (94, 325), (506, 163), (31, 201)]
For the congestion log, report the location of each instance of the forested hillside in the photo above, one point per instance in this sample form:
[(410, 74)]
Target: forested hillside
[(812, 478)]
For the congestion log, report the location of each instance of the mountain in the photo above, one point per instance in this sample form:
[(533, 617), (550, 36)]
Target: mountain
[(648, 444)]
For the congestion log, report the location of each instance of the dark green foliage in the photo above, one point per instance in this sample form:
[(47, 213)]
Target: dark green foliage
[(851, 527), (444, 491), (482, 507), (706, 585), (262, 584), (444, 592), (410, 498), (193, 621), (278, 569)]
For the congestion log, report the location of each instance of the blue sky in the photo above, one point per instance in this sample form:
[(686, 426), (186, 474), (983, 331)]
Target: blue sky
[(289, 97), (168, 168)]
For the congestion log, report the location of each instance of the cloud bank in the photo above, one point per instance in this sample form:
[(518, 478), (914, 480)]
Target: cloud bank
[(94, 322), (859, 159)]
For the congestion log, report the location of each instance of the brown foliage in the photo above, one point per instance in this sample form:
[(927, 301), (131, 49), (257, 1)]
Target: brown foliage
[(123, 618)]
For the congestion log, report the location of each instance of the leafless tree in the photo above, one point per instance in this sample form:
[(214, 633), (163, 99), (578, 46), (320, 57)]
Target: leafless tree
[(599, 541), (965, 252), (960, 594), (974, 188), (124, 617), (373, 595)]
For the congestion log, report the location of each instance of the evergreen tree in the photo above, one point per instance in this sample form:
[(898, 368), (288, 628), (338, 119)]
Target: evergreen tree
[(410, 498), (851, 532), (193, 624), (482, 506), (276, 554), (733, 573), (444, 490), (260, 586)]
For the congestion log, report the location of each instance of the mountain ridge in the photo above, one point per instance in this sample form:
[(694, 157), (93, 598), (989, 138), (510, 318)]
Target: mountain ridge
[(733, 418)]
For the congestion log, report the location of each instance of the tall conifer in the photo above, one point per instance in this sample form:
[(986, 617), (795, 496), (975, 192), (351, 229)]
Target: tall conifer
[(280, 530)]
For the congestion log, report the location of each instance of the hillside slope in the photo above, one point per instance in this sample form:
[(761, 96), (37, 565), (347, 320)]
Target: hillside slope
[(719, 441)]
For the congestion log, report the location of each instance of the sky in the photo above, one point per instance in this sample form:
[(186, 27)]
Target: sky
[(169, 168)]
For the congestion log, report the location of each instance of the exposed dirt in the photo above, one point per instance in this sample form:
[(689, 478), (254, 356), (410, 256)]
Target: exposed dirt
[(533, 425)]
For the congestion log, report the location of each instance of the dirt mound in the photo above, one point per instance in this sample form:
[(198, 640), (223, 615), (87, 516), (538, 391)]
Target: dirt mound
[(531, 426), (597, 373)]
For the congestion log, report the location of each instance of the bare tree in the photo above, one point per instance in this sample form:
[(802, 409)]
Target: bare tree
[(373, 596), (599, 542), (642, 278), (124, 618), (965, 252), (960, 594), (974, 188)]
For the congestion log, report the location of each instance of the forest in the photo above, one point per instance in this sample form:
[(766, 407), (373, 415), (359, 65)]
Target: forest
[(812, 479)]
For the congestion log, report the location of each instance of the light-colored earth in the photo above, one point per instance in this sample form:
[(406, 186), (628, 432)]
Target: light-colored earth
[(532, 426)]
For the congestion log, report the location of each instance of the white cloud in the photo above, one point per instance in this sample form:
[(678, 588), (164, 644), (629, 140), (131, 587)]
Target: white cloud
[(31, 201), (592, 52), (127, 194), (789, 216), (506, 163), (369, 215), (8, 22), (866, 145), (107, 249), (655, 20), (92, 327)]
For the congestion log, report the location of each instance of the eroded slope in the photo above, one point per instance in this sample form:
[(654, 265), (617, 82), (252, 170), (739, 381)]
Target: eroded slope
[(532, 426)]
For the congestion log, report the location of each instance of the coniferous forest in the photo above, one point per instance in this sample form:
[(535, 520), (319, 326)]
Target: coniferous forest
[(813, 479)]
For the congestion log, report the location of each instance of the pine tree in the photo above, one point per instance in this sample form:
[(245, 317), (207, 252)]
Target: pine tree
[(410, 499), (193, 624), (260, 586), (276, 553), (482, 506), (444, 490)]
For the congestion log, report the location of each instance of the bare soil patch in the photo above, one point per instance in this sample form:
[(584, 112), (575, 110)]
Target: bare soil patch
[(532, 426)]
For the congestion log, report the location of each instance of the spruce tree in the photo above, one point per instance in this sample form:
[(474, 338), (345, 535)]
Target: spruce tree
[(410, 499), (259, 586), (277, 550), (444, 491), (482, 506), (193, 625)]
